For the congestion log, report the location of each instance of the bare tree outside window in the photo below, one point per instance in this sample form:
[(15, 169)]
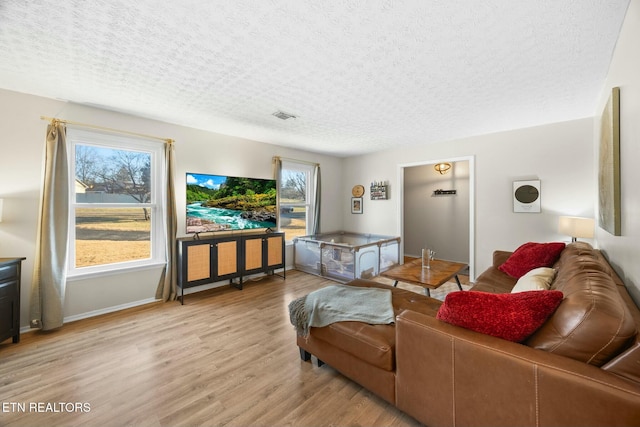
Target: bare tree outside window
[(110, 183), (295, 186), (294, 203), (127, 172), (114, 171), (87, 162)]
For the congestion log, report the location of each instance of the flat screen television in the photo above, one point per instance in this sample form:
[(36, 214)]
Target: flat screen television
[(221, 203)]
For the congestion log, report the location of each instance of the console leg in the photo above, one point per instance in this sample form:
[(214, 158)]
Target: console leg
[(319, 362)]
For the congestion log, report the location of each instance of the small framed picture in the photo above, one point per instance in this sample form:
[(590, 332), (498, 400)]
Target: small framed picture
[(526, 196), (356, 205)]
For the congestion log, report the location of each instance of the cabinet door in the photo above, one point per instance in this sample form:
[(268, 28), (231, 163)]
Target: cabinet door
[(253, 254), (198, 262), (275, 251), (227, 255), (8, 310)]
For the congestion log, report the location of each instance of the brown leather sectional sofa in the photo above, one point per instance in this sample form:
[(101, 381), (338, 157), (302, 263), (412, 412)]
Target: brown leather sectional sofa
[(582, 367)]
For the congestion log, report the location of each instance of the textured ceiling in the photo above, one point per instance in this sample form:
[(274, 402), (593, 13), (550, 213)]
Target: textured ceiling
[(360, 75)]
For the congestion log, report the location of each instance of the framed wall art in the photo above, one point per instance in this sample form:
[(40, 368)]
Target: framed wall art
[(526, 196), (609, 166), (356, 205)]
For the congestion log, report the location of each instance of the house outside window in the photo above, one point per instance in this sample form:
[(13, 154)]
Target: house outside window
[(297, 201), (115, 212)]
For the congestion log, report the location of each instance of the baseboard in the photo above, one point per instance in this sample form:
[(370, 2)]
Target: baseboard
[(108, 310), (94, 313)]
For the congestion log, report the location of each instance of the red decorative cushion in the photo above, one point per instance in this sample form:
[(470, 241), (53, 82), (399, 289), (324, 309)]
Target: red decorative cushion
[(531, 255), (510, 316)]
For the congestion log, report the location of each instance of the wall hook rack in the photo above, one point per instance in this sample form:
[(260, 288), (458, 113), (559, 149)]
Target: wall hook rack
[(440, 192)]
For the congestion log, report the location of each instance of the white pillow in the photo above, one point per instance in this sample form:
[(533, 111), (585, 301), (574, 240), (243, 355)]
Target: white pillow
[(535, 280)]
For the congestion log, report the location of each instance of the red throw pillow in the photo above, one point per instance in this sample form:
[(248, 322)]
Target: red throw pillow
[(531, 255), (510, 316)]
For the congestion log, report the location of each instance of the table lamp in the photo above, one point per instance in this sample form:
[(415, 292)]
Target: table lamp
[(576, 227)]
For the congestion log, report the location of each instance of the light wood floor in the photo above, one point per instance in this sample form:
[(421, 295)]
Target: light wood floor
[(227, 357)]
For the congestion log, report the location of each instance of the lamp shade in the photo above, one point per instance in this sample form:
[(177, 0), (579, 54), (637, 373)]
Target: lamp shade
[(576, 227), (1, 206)]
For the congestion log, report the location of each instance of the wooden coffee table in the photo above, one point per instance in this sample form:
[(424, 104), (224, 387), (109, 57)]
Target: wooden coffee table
[(441, 272)]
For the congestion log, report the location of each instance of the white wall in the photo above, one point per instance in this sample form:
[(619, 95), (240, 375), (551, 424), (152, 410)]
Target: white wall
[(196, 151), (437, 222), (560, 155), (624, 72)]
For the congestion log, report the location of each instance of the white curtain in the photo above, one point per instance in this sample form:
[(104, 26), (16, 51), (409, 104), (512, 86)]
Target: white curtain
[(316, 192), (50, 267), (277, 162), (167, 287)]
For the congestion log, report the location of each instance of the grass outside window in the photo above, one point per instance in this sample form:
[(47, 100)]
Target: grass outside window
[(111, 235)]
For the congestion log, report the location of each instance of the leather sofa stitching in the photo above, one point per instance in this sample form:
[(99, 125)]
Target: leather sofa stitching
[(535, 382), (453, 379), (614, 337), (565, 338), (586, 316), (594, 301), (359, 336), (591, 379)]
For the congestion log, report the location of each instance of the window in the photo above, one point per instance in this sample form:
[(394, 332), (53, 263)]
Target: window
[(115, 212), (297, 199)]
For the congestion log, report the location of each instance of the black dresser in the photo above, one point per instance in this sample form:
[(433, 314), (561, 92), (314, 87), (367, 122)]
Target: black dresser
[(10, 298)]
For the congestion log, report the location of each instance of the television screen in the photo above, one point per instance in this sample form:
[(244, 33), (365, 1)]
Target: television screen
[(220, 203)]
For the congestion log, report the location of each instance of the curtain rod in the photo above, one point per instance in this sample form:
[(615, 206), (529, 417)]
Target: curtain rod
[(296, 161), (142, 135)]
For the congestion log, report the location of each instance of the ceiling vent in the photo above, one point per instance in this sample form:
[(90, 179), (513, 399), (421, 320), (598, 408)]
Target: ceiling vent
[(284, 116)]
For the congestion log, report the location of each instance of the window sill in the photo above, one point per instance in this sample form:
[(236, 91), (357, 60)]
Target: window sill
[(114, 271)]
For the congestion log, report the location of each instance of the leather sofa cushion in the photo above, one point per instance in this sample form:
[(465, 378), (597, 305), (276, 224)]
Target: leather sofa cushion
[(375, 344), (593, 323), (494, 281)]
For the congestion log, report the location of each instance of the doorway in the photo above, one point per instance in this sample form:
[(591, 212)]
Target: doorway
[(437, 209)]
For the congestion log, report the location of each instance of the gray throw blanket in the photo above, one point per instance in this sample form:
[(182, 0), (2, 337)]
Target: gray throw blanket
[(338, 303)]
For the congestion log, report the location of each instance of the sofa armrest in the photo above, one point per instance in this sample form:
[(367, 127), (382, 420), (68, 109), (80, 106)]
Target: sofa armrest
[(499, 257), (447, 375)]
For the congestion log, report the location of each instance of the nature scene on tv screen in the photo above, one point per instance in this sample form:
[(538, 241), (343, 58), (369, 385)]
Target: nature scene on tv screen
[(218, 203)]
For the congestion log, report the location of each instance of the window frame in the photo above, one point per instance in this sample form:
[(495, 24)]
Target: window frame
[(155, 204), (310, 200)]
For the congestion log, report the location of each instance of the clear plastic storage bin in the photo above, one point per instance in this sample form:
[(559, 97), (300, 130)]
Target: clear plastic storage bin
[(344, 256)]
